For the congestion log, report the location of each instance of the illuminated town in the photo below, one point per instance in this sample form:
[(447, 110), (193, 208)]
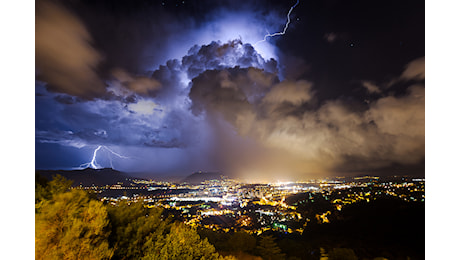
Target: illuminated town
[(290, 207)]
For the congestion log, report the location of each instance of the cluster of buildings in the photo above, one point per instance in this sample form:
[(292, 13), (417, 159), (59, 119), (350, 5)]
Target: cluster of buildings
[(231, 205)]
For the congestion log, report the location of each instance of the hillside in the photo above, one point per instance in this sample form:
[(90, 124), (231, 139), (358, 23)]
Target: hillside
[(198, 177), (88, 176)]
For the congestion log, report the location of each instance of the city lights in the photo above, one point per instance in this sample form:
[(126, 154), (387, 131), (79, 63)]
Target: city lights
[(256, 208)]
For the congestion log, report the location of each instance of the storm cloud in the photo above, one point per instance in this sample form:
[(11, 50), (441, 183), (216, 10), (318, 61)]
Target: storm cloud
[(390, 129), (63, 52), (197, 93)]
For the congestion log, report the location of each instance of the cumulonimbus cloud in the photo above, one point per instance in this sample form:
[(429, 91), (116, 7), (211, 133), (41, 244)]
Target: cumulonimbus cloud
[(390, 130), (255, 121)]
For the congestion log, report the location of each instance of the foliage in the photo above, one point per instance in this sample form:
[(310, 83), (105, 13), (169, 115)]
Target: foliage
[(241, 242), (386, 227), (71, 226), (295, 247), (342, 254), (230, 242), (135, 229), (268, 248), (45, 190), (183, 243)]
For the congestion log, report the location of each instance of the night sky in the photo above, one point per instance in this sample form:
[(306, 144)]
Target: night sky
[(174, 87)]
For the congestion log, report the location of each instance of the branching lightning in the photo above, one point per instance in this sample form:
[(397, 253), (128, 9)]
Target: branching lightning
[(93, 163), (285, 27), (116, 154)]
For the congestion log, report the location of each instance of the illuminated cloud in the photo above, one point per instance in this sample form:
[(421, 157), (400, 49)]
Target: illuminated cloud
[(415, 70), (138, 84), (228, 91), (390, 130), (227, 55), (144, 107), (63, 52), (249, 25), (161, 117), (66, 138), (402, 120), (295, 93), (371, 87), (110, 122)]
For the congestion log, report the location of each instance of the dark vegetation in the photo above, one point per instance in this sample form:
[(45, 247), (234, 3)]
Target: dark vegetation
[(390, 228)]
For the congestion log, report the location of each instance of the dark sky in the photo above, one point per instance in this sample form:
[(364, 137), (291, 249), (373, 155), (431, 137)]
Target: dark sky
[(172, 87)]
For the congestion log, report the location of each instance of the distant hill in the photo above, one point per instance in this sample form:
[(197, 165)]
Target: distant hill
[(198, 177), (88, 176)]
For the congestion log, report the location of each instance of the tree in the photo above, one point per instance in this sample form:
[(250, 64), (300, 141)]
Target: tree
[(184, 243), (241, 242), (136, 229), (45, 190), (71, 226), (268, 248), (74, 225)]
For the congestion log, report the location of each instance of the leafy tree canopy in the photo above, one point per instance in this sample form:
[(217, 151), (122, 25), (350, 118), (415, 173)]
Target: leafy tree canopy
[(268, 248), (45, 190), (135, 229), (184, 243), (71, 226)]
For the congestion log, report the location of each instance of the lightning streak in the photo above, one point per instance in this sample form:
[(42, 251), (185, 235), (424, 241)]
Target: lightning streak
[(285, 27), (110, 157), (119, 155), (93, 164)]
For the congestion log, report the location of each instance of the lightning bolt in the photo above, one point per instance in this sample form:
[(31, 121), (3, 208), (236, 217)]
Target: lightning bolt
[(116, 154), (285, 27), (93, 163)]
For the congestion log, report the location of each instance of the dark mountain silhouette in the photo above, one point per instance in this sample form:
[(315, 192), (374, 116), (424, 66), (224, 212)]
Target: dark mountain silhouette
[(198, 177), (88, 176)]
